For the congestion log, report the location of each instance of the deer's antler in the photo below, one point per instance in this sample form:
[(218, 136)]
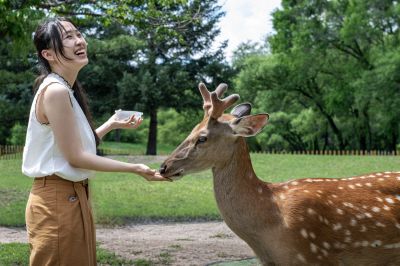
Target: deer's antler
[(212, 104)]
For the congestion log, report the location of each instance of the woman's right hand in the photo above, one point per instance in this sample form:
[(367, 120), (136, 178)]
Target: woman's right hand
[(149, 174)]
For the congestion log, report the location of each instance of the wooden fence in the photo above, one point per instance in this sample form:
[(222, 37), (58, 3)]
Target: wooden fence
[(9, 152)]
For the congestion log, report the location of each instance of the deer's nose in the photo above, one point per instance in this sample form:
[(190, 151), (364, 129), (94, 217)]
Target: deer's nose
[(163, 168)]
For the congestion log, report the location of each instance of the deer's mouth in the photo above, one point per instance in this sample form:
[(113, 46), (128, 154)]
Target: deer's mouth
[(175, 175)]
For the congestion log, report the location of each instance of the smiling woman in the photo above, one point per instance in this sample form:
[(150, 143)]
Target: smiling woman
[(60, 151)]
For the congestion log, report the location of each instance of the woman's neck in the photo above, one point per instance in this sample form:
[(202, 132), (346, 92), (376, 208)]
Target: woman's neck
[(68, 76)]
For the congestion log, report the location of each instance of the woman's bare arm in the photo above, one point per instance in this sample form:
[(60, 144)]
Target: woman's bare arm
[(58, 110)]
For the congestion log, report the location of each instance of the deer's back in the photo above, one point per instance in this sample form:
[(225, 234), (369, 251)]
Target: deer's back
[(350, 221)]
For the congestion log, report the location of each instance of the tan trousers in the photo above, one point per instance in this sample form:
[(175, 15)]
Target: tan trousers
[(60, 224)]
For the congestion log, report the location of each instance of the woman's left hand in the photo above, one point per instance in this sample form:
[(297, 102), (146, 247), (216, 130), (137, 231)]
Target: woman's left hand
[(130, 123)]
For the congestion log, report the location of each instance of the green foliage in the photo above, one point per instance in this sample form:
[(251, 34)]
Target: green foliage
[(332, 79), (18, 133)]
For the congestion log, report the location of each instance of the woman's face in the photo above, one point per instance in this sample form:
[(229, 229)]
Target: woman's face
[(74, 47)]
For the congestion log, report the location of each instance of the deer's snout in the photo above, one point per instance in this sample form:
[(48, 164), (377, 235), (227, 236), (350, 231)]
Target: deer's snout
[(163, 168)]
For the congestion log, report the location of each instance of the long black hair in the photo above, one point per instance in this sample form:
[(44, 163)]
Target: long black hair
[(48, 36)]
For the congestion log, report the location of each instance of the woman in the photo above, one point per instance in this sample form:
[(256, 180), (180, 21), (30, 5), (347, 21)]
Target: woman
[(60, 152)]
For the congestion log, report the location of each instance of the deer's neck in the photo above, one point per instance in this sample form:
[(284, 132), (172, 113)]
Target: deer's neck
[(240, 195)]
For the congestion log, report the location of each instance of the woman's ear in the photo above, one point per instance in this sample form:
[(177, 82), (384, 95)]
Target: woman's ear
[(48, 55)]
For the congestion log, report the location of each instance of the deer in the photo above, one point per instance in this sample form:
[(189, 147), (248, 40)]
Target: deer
[(308, 221)]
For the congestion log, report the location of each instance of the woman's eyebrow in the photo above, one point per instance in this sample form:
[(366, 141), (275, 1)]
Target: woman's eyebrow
[(71, 31)]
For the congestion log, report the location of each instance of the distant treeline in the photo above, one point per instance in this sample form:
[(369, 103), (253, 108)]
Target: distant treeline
[(329, 75)]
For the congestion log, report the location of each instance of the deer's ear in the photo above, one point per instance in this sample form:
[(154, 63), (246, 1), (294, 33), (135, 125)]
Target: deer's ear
[(249, 125)]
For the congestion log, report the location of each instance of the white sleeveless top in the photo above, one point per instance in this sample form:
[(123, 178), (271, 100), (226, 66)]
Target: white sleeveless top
[(41, 156)]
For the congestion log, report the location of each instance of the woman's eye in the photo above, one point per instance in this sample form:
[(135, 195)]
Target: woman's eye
[(202, 139)]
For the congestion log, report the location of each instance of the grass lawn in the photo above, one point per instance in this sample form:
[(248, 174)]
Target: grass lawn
[(119, 198), (133, 148), (18, 254)]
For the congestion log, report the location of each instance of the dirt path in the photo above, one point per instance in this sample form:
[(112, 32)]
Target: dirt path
[(198, 243)]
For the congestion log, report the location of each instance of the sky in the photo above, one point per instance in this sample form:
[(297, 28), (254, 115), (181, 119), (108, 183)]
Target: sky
[(245, 20)]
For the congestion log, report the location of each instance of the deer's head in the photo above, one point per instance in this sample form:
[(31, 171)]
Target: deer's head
[(212, 142)]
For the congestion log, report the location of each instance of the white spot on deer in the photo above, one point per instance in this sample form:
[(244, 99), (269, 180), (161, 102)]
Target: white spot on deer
[(334, 180), (308, 180), (282, 197), (351, 186), (362, 177), (381, 179), (301, 258), (398, 177), (397, 225), (360, 216), (394, 245), (326, 245), (368, 215), (350, 205), (356, 244), (363, 228), (347, 233), (334, 196), (337, 226), (324, 252), (379, 199), (398, 197), (326, 221), (306, 191), (353, 222), (312, 235), (365, 243), (358, 185), (340, 187), (286, 187), (385, 176), (368, 184), (313, 247), (310, 211), (339, 211), (319, 191), (294, 183), (347, 239), (303, 232), (386, 208), (389, 200), (371, 176), (380, 224), (376, 243), (378, 174), (260, 190), (376, 209)]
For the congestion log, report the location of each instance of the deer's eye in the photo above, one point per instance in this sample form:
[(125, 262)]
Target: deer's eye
[(201, 139)]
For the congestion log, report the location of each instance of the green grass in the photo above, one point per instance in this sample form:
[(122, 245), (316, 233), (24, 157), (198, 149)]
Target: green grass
[(133, 148), (120, 198), (18, 254)]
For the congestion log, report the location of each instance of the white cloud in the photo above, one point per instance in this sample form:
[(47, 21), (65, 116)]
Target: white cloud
[(245, 20)]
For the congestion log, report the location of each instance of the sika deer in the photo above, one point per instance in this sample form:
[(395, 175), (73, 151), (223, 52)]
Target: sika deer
[(312, 221)]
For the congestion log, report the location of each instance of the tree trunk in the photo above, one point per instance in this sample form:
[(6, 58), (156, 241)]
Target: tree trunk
[(152, 138), (117, 136)]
